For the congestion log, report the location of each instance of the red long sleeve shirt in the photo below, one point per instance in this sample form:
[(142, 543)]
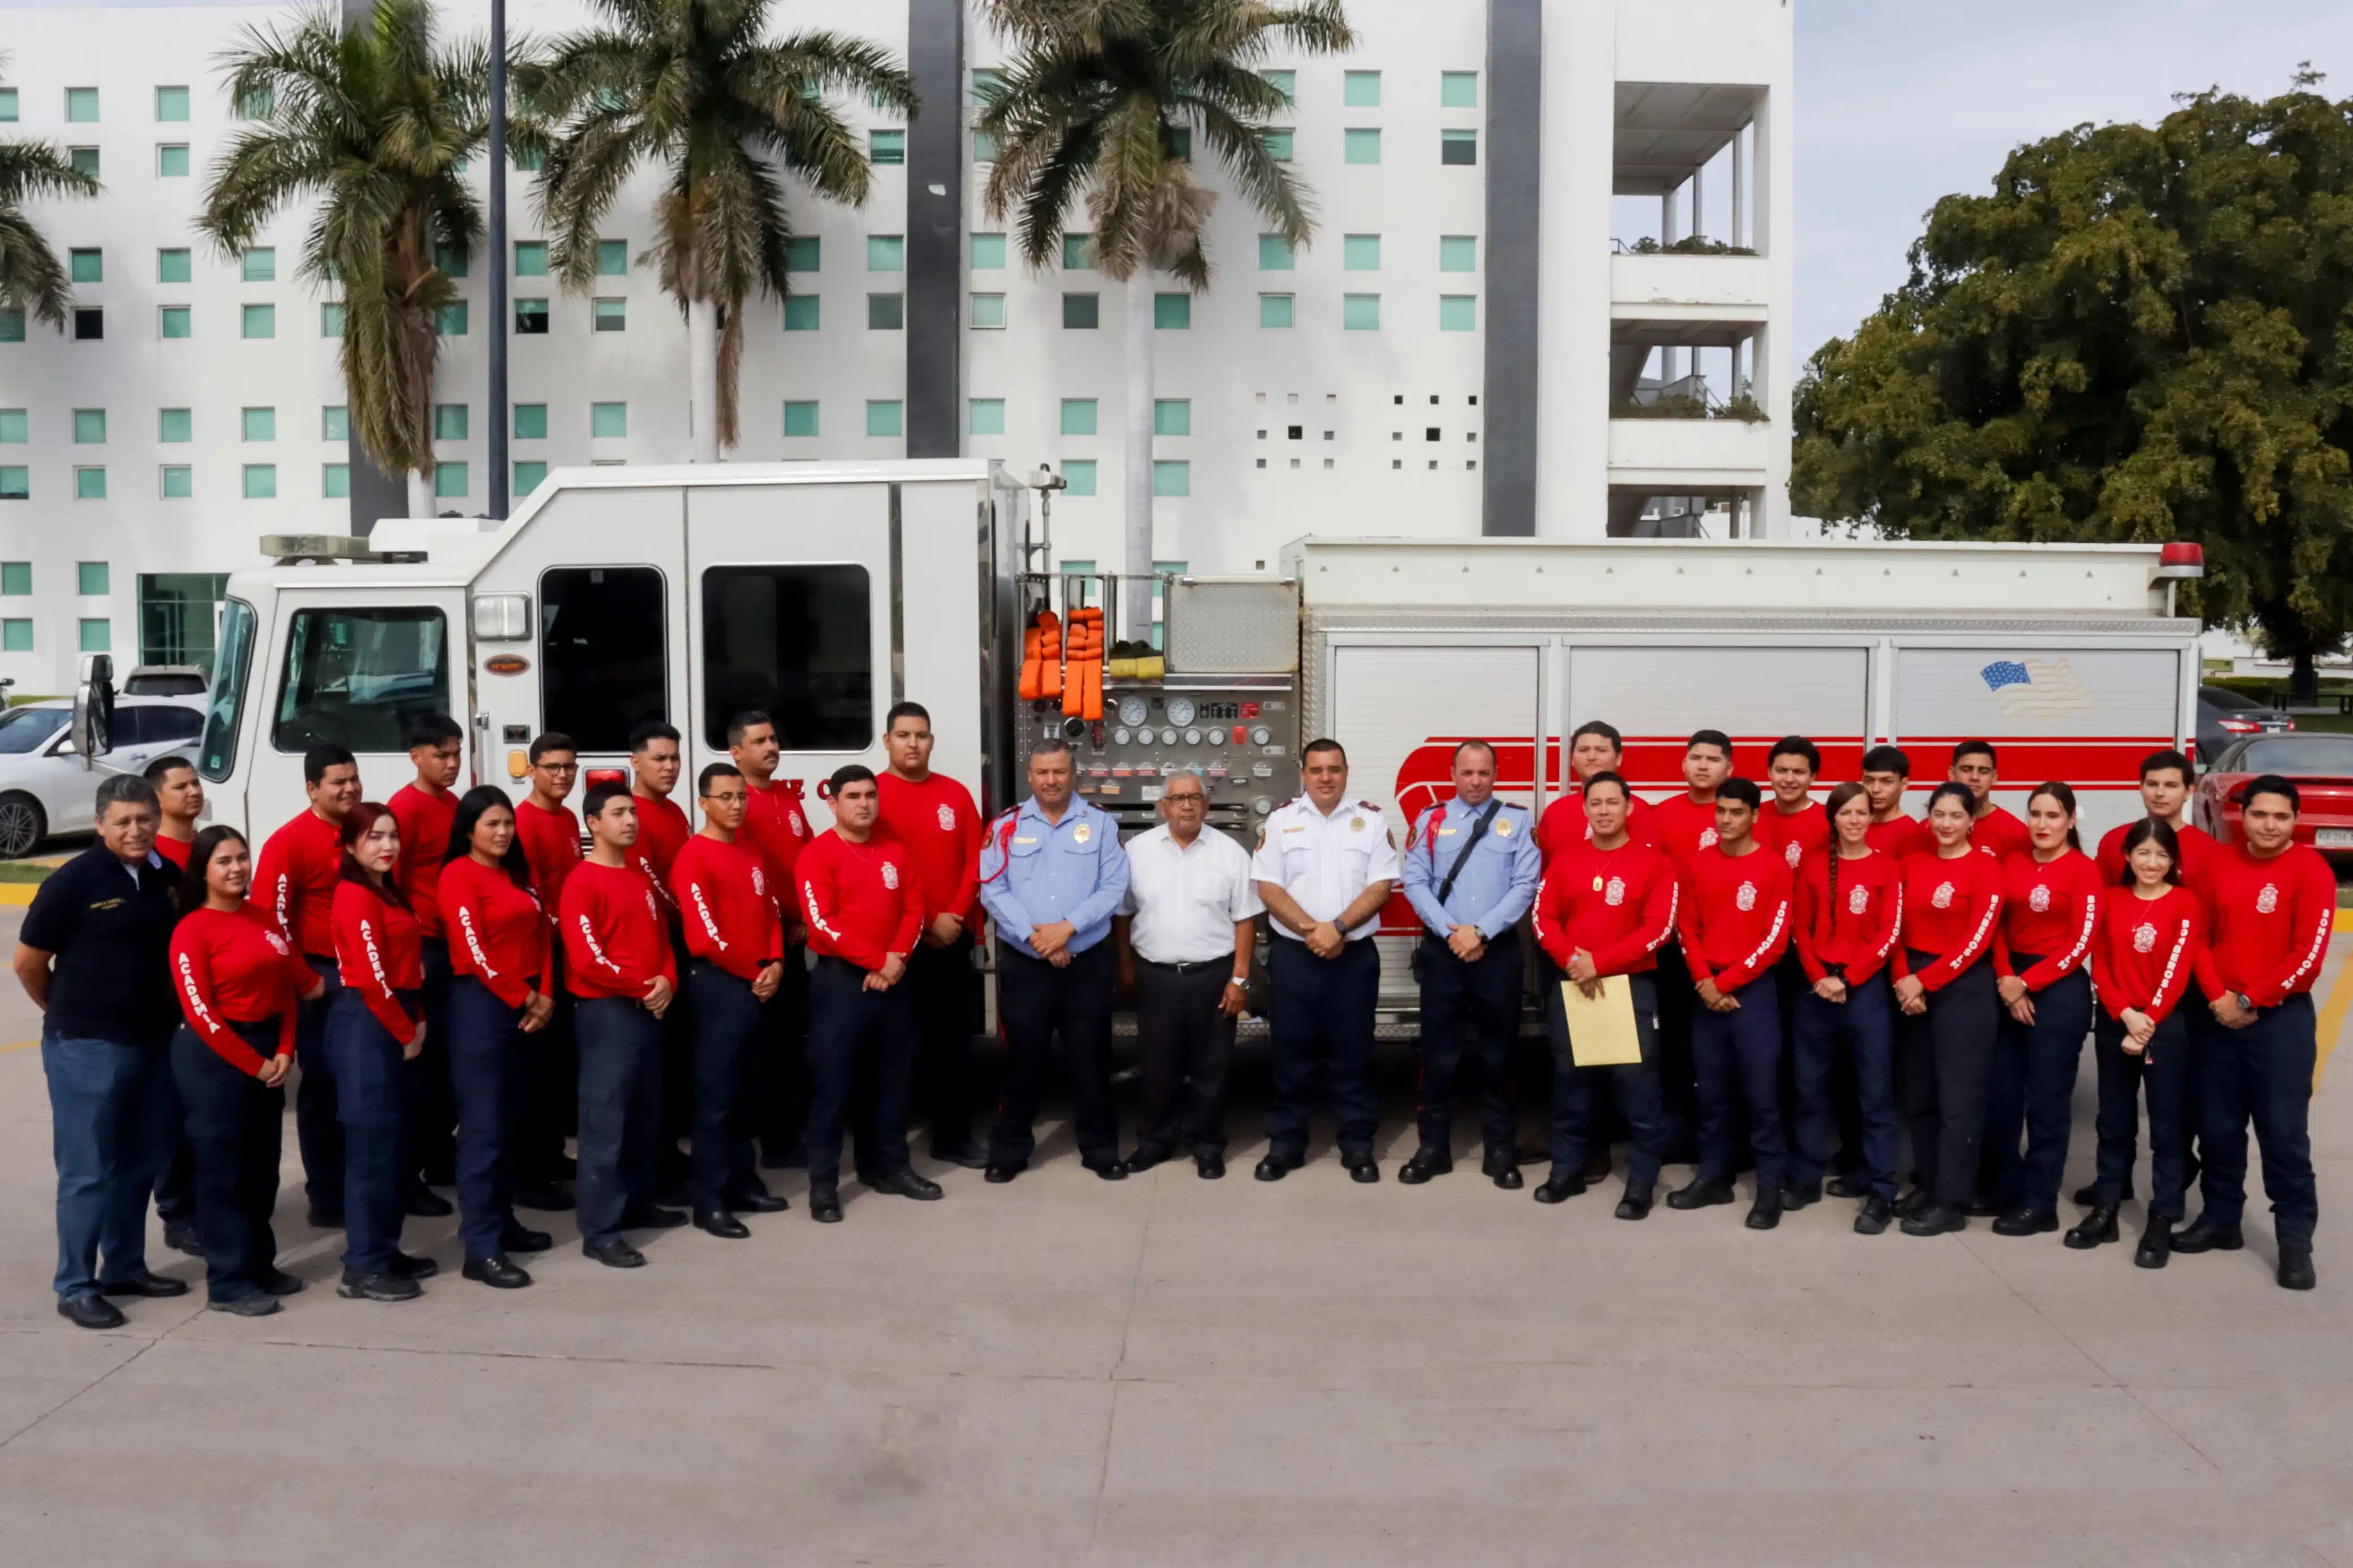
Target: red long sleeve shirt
[(1950, 909), (1796, 837), (235, 966), (2198, 850), (728, 907), (662, 832), (550, 844), (498, 933), (381, 953), (425, 820), (1900, 837), (1685, 828), (1735, 923), (2270, 919), (615, 943), (294, 882), (1857, 928), (2047, 909), (941, 828), (861, 901), (773, 821), (2146, 950), (1619, 905), (1563, 823), (2002, 832), (175, 850)]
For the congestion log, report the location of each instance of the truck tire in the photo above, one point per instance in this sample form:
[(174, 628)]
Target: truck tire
[(22, 825)]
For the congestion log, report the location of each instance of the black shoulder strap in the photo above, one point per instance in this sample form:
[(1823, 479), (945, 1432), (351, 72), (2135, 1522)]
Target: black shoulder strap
[(1478, 831)]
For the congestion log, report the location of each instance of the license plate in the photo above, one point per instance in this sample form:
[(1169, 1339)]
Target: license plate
[(2333, 837)]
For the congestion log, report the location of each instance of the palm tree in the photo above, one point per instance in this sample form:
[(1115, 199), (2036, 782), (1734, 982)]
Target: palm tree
[(1104, 97), (699, 85), (371, 118), (31, 278)]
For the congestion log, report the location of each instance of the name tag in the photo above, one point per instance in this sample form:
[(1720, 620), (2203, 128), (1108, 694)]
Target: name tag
[(1296, 827), (1446, 832), (108, 904), (1025, 840)]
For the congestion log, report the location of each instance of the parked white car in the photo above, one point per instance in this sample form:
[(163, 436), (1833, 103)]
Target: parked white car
[(44, 788)]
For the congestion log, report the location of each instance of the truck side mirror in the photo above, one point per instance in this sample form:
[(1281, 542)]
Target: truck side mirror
[(93, 708)]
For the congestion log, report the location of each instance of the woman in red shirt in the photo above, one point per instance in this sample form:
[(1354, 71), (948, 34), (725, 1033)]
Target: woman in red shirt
[(2151, 934), (1849, 916), (2050, 897), (374, 1025), (238, 981), (1945, 995), (500, 964)]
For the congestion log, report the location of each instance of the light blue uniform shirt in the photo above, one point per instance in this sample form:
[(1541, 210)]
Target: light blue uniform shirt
[(1034, 872), (1498, 882)]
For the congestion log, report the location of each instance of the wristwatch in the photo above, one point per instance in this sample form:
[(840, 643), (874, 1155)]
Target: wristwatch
[(1340, 923), (1239, 981), (2246, 1002)]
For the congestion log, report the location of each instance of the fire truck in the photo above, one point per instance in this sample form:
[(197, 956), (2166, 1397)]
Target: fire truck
[(822, 593)]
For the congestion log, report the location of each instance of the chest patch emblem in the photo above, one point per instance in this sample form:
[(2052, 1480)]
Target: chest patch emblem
[(1616, 893), (947, 819), (1356, 825), (2144, 938), (1081, 833), (891, 875), (1707, 839), (800, 828), (2039, 900), (1503, 827), (759, 883), (1747, 898), (1793, 853), (278, 943), (2268, 901), (1943, 897), (1857, 901)]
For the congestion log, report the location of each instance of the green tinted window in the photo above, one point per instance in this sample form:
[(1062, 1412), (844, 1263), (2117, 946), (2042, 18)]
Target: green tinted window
[(261, 264), (449, 422), (261, 425), (89, 426), (335, 481), (988, 416), (260, 321), (530, 421), (1172, 479), (260, 481), (1362, 253), (1078, 415), (612, 257), (1172, 416), (172, 266), (987, 252), (609, 421), (174, 426), (885, 418), (804, 253), (335, 423), (801, 313), (800, 419), (171, 103), (528, 476), (1079, 477), (530, 258)]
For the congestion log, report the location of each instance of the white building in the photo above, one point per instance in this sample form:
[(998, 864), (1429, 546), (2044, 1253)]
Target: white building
[(1489, 289)]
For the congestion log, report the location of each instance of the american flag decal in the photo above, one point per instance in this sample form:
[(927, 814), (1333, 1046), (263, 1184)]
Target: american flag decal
[(2036, 687)]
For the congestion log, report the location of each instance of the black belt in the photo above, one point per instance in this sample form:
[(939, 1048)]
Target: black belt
[(1190, 965)]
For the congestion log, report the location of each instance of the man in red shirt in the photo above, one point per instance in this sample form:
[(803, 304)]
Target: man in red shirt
[(662, 831), (1997, 830), (1594, 748), (180, 797), (1886, 774), (294, 882), (1685, 824), (1736, 926), (729, 927), (864, 905), (2273, 903), (621, 973), (778, 827), (424, 809), (935, 817), (549, 836), (2165, 779)]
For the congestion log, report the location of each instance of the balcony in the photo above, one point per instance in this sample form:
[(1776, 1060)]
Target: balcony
[(1664, 286), (1689, 456)]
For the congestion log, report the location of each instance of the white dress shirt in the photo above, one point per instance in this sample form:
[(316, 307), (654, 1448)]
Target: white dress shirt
[(1186, 900), (1324, 862)]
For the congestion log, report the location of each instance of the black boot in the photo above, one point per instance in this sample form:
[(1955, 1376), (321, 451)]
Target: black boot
[(1765, 1212), (1565, 1182), (1936, 1219), (1501, 1168), (2205, 1236), (1700, 1194), (2026, 1220), (2155, 1245), (2099, 1225), (2295, 1268), (1635, 1204), (1428, 1161), (1871, 1219), (1796, 1195)]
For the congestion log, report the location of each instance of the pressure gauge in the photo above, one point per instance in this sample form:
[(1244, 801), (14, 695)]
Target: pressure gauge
[(1192, 737), (1119, 737), (1216, 737), (1262, 736), (1261, 804), (1132, 711), (1180, 710), (1167, 737)]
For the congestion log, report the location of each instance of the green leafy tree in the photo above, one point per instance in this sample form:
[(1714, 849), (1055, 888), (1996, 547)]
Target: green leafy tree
[(698, 87), (1104, 100), (2145, 333), (31, 277), (369, 120)]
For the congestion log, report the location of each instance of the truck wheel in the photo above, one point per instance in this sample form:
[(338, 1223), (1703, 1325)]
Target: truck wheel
[(21, 825)]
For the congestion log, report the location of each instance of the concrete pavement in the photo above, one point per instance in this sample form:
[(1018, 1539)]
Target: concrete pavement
[(1168, 1371)]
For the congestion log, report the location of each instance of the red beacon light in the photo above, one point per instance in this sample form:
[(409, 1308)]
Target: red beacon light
[(2181, 559)]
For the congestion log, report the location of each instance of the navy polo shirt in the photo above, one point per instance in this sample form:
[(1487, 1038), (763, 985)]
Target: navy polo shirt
[(111, 931)]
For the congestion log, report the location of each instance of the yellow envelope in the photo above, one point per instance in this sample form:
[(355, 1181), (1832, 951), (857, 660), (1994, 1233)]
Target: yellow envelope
[(1601, 1032)]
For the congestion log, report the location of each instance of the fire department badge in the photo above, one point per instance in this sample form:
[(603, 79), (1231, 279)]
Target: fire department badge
[(1504, 827), (2039, 900), (947, 819), (1707, 839), (279, 943), (1747, 897), (1857, 900), (2268, 899), (1616, 895), (2144, 937), (1356, 825), (891, 875), (1793, 853), (1081, 833), (1943, 897), (759, 883), (800, 828)]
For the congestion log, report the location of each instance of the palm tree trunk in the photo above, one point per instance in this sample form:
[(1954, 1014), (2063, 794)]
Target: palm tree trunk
[(1136, 606), (702, 378), (420, 493)]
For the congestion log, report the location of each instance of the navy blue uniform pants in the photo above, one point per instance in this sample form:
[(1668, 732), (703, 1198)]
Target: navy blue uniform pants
[(317, 1130), (235, 1128), (728, 1021), (620, 1109), (1633, 1086), (1038, 1005), (2264, 1072), (1860, 1031), (779, 1065), (110, 1131), (430, 1118), (1678, 1079), (489, 1079), (367, 1066), (2033, 1092), (1737, 1055), (1947, 1059), (860, 1036), (1483, 999), (1320, 1019), (2165, 1073), (945, 990)]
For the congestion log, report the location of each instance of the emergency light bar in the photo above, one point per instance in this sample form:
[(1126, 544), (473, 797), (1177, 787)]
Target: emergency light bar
[(2180, 561)]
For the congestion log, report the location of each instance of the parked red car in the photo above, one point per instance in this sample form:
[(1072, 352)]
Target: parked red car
[(2320, 766)]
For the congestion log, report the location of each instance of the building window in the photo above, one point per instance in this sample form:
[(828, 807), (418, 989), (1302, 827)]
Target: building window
[(97, 634), (801, 313), (1276, 254), (335, 481), (612, 259), (7, 105), (260, 481), (1458, 89), (171, 266), (450, 320), (173, 321), (1458, 147), (1362, 253), (84, 161), (15, 428), (450, 260), (91, 579), (884, 417), (984, 147), (528, 476), (988, 253), (527, 160), (1079, 477), (450, 482), (179, 481), (81, 105), (800, 419), (1361, 313), (1274, 310), (1284, 82), (16, 636), (609, 421), (1458, 313), (260, 425), (257, 105), (1364, 144), (1161, 570), (1361, 89), (260, 321), (335, 423), (1078, 415), (1172, 416), (173, 425), (609, 315), (1278, 145), (450, 421), (987, 87), (172, 160), (1082, 313), (886, 253), (331, 319), (89, 426), (260, 265), (1078, 254), (16, 482), (178, 613), (1457, 253), (88, 324), (87, 265), (804, 253), (530, 421), (1171, 312), (988, 416), (530, 258), (989, 312), (886, 147), (1172, 479), (12, 326), (531, 318), (89, 484), (886, 312), (1078, 583), (797, 643)]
